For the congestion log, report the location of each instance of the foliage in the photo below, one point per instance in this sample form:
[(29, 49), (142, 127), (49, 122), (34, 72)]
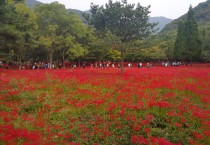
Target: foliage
[(113, 55), (202, 15), (188, 45), (123, 20), (17, 29), (76, 52), (50, 33)]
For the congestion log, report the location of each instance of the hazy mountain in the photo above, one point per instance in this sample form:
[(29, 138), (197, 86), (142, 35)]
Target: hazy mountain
[(202, 16), (162, 21), (32, 3)]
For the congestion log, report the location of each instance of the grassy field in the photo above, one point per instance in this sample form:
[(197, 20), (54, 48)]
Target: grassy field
[(154, 106)]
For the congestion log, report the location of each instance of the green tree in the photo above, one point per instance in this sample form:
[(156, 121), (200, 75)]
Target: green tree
[(17, 29), (77, 52), (26, 26), (53, 24), (83, 37), (205, 37), (192, 41), (188, 44), (179, 43), (111, 46), (153, 53), (123, 20), (113, 55)]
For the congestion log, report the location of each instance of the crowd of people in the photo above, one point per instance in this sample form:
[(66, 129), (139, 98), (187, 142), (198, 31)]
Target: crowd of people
[(98, 64)]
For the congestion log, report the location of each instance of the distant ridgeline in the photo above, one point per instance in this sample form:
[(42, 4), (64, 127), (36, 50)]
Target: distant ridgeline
[(162, 21), (202, 16)]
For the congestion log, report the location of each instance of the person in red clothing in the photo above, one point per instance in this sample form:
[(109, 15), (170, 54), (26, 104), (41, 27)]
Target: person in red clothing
[(6, 66)]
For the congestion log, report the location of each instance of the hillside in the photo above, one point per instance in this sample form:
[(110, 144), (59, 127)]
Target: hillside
[(162, 21), (202, 15), (31, 3)]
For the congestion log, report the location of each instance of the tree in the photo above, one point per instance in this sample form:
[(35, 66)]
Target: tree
[(205, 33), (123, 20), (59, 31), (17, 28), (83, 35), (77, 52), (192, 41), (179, 43), (53, 23), (26, 26), (188, 45), (113, 55)]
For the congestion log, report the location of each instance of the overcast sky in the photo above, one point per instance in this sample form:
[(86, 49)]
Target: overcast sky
[(167, 8)]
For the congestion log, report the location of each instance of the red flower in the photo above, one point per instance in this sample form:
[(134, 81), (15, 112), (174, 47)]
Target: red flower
[(139, 139), (137, 128)]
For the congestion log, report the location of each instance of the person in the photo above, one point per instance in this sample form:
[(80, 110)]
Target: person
[(83, 65), (53, 65), (113, 65), (59, 65), (6, 66), (129, 65), (148, 65), (139, 65), (74, 66), (100, 65), (119, 66), (1, 64), (46, 65)]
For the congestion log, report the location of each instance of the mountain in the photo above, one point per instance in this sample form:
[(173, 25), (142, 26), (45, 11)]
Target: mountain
[(162, 21), (31, 3), (202, 16)]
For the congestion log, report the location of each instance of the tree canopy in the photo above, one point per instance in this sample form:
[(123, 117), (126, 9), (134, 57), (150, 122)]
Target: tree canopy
[(127, 21), (188, 44), (115, 32)]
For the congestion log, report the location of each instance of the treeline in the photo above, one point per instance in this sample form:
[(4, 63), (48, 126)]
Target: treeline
[(117, 32)]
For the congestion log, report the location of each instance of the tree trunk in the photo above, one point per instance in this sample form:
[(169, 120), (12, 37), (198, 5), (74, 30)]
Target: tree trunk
[(20, 63), (63, 57), (122, 63), (50, 59), (79, 61)]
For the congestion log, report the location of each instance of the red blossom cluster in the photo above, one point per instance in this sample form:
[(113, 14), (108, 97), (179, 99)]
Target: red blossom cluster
[(157, 106)]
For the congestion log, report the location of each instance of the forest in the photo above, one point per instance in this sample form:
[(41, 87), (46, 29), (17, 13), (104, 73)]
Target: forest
[(116, 32)]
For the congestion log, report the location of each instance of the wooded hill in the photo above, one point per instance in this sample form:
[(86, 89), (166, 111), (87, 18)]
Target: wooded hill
[(166, 38), (202, 16)]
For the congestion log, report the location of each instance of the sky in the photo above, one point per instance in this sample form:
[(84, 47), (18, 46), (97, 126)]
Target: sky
[(168, 8)]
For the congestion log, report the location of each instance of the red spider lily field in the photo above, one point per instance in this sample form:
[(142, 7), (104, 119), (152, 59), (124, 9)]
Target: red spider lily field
[(147, 106)]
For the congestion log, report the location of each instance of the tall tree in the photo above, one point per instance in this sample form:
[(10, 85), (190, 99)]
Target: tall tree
[(179, 43), (188, 45), (17, 27), (123, 20), (53, 23), (192, 41), (26, 25), (58, 29)]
